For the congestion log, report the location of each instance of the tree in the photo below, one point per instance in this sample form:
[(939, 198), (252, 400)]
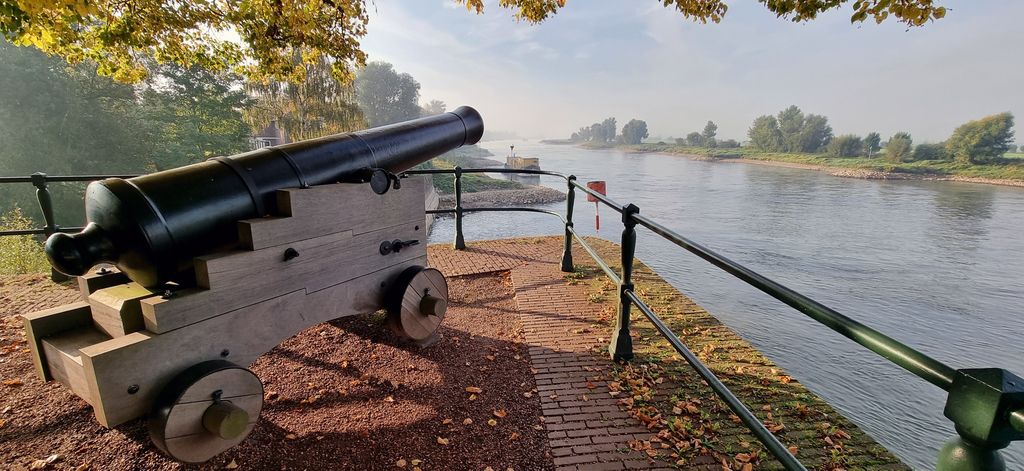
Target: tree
[(634, 131), (791, 122), (194, 114), (982, 140), (930, 152), (845, 146), (434, 107), (729, 144), (899, 146), (386, 96), (694, 139), (710, 130), (814, 135), (872, 143), (764, 134), (608, 128), (319, 106), (1013, 148), (118, 35)]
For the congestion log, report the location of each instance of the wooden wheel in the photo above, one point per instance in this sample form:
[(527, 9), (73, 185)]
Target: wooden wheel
[(205, 410), (417, 303)]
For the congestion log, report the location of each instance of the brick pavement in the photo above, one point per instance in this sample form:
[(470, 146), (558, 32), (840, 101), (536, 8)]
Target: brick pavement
[(585, 426)]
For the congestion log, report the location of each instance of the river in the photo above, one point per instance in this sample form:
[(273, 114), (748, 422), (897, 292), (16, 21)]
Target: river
[(937, 265)]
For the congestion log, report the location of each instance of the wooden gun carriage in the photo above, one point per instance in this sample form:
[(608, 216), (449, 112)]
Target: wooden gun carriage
[(177, 354)]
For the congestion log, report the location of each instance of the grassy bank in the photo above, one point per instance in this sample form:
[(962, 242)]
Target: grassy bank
[(471, 182), (1009, 168)]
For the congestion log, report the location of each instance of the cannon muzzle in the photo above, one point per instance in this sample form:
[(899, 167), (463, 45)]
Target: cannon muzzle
[(152, 226)]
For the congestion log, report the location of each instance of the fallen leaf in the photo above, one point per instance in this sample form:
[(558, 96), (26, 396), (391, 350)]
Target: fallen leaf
[(527, 394), (514, 436), (474, 390), (446, 421), (743, 458), (416, 462), (231, 465), (83, 467), (442, 441), (400, 463), (747, 467), (792, 450), (2, 423), (472, 397), (389, 399), (500, 413), (490, 357), (492, 422), (13, 383), (291, 436), (468, 421)]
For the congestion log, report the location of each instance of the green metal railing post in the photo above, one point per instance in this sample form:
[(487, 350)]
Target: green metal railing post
[(567, 265), (987, 407), (621, 346), (46, 206), (460, 241)]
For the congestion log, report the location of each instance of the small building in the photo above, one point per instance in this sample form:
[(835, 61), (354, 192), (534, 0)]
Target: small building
[(269, 136)]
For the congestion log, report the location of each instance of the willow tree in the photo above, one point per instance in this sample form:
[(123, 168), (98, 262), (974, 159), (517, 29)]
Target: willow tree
[(256, 37), (317, 105)]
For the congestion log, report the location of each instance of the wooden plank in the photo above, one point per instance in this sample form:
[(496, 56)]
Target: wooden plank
[(328, 209), (65, 360), (116, 310), (239, 279), (94, 281), (150, 361), (41, 324)]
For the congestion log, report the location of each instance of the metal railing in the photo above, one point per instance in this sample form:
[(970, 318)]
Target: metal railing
[(985, 405), (40, 181)]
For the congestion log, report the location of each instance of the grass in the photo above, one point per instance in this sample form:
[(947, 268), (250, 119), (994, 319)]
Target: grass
[(471, 182), (1010, 167)]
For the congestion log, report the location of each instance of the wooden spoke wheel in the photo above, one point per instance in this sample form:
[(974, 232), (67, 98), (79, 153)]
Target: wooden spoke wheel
[(417, 303), (205, 410)]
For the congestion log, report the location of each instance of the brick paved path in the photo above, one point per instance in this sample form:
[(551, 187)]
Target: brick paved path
[(586, 429)]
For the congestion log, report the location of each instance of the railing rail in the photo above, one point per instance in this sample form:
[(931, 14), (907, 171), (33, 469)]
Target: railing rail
[(986, 405)]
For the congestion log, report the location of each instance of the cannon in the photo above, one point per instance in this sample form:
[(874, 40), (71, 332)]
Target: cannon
[(204, 268)]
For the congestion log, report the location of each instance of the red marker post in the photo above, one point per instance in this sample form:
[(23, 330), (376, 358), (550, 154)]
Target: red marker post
[(599, 187)]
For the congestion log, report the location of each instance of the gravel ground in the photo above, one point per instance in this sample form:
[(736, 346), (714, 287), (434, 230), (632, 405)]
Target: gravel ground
[(342, 395)]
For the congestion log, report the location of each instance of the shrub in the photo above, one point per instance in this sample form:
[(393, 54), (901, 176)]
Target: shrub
[(931, 152), (20, 254)]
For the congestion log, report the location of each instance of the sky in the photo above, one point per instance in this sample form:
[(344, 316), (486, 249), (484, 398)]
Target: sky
[(637, 59)]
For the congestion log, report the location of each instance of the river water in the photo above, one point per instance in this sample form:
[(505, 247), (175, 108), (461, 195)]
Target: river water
[(937, 265)]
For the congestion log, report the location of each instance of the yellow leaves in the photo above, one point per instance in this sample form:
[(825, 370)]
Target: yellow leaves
[(474, 390), (442, 441), (492, 422), (401, 463), (13, 382)]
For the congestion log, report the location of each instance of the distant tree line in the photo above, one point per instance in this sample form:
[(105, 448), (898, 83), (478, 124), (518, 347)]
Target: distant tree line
[(604, 132), (974, 142), (707, 138)]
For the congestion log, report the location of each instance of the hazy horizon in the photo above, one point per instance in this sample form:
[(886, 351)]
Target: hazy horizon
[(640, 60)]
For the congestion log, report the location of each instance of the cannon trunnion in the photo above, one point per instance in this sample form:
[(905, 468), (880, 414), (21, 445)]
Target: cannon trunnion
[(179, 356)]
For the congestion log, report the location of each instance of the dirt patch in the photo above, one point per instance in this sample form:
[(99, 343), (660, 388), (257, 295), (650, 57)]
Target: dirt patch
[(341, 395)]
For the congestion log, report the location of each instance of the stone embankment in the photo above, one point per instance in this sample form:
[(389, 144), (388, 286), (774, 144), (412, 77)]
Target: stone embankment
[(531, 195)]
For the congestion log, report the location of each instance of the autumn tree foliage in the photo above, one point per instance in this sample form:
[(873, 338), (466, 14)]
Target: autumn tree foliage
[(256, 38)]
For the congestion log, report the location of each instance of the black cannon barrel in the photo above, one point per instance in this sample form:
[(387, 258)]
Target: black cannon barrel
[(152, 226)]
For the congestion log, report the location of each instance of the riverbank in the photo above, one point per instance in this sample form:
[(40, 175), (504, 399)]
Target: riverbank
[(1007, 173)]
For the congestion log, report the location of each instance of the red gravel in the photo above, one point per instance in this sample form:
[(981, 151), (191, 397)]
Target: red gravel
[(342, 395)]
